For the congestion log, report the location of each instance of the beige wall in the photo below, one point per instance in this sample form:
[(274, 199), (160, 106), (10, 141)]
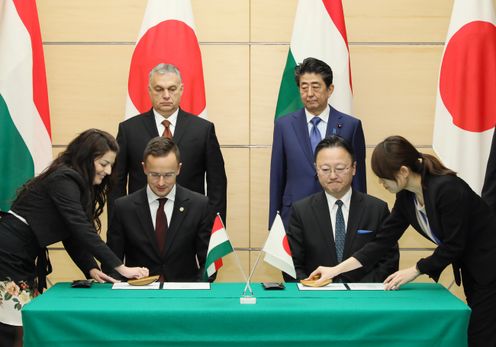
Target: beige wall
[(395, 46)]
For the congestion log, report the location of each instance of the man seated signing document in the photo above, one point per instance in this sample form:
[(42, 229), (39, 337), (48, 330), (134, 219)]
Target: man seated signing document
[(162, 226), (329, 226)]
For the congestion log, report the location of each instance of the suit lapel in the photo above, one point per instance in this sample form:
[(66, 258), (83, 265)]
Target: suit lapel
[(149, 123), (145, 220), (334, 123), (300, 127), (354, 216), (182, 124), (179, 213), (321, 214)]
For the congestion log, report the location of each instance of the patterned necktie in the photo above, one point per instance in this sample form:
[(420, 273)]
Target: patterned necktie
[(340, 231), (315, 136), (167, 133), (161, 224)]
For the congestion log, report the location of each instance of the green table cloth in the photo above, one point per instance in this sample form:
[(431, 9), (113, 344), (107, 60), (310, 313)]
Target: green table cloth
[(419, 314)]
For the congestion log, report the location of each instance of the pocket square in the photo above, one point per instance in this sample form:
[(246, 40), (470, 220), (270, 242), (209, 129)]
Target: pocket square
[(362, 231)]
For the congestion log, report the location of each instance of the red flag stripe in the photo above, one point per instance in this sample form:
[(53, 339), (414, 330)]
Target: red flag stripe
[(335, 10), (29, 16)]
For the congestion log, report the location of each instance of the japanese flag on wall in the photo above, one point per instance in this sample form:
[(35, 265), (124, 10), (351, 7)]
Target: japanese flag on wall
[(168, 36), (466, 107)]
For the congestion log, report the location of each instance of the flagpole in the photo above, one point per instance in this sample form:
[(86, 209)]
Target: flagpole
[(247, 286), (236, 256)]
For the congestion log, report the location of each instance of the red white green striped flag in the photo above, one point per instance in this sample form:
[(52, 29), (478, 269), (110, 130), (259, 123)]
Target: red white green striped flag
[(319, 31), (168, 36), (218, 247), (466, 107), (25, 135)]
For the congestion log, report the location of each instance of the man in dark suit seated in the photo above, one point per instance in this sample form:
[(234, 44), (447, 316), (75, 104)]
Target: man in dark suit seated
[(327, 227), (202, 160), (162, 226)]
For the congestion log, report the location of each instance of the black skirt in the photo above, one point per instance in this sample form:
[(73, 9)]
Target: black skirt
[(18, 250)]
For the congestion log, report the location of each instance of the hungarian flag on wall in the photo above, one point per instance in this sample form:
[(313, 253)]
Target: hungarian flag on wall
[(25, 135), (319, 31), (168, 36), (466, 107)]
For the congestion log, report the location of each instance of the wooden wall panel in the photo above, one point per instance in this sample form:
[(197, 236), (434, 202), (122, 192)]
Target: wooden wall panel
[(397, 21), (272, 21), (267, 64), (87, 87), (226, 71), (259, 195), (394, 90), (90, 20), (237, 169), (222, 20)]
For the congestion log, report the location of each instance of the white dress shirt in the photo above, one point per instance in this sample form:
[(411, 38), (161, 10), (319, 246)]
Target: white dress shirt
[(153, 203), (333, 209)]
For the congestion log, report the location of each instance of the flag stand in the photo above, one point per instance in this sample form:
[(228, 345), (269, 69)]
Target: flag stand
[(246, 298), (250, 298)]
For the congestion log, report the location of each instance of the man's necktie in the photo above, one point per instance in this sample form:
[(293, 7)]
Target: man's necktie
[(161, 224), (315, 136), (167, 133), (340, 231)]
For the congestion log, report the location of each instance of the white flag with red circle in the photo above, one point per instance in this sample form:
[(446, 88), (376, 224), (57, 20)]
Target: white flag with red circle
[(276, 248), (168, 36), (466, 107)]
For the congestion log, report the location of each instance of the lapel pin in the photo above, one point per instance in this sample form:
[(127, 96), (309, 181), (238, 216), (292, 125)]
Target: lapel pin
[(181, 209)]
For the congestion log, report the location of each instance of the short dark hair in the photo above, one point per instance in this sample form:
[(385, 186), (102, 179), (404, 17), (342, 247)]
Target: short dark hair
[(160, 147), (314, 65), (332, 142)]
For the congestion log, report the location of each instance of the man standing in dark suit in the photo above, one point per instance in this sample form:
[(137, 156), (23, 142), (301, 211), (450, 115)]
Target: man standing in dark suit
[(201, 156), (329, 226), (162, 226), (292, 173)]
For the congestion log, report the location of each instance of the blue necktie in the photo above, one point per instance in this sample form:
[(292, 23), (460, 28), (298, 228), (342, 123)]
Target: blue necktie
[(340, 231), (315, 136)]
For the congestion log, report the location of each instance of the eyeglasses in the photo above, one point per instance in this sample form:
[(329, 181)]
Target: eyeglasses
[(166, 176), (326, 171)]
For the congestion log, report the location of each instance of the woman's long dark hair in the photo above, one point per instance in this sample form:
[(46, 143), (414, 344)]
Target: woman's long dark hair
[(395, 151), (80, 155)]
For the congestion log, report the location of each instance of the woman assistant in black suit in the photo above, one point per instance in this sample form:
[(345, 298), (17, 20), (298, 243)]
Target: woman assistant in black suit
[(442, 208), (61, 204)]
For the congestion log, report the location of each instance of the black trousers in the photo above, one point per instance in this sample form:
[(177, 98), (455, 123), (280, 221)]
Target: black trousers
[(482, 301)]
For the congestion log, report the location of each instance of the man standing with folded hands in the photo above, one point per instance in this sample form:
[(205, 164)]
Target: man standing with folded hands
[(329, 226)]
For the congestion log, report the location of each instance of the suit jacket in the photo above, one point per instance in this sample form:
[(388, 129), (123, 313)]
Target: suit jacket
[(489, 188), (131, 235), (312, 244), (200, 155), (292, 172), (458, 217), (58, 209)]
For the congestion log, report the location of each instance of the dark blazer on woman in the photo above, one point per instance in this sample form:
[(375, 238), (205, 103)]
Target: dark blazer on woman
[(458, 217), (55, 210)]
